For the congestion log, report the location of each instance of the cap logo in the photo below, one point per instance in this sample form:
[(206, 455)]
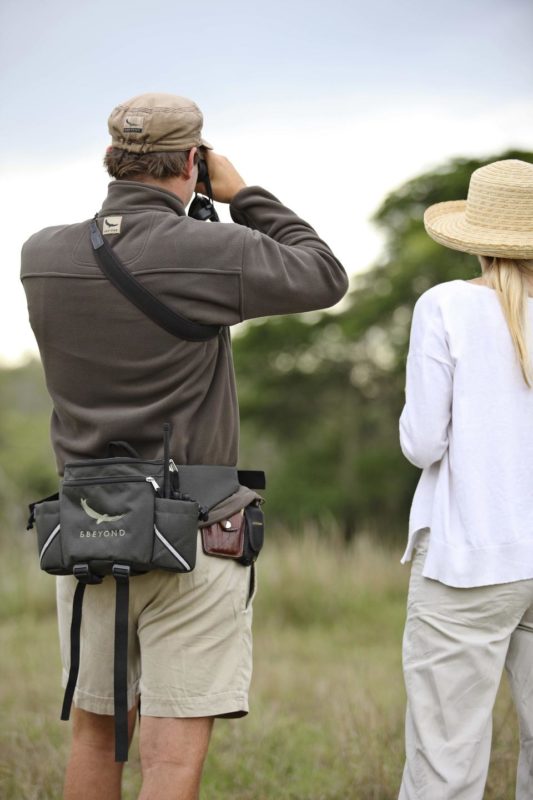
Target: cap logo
[(133, 124), (112, 225)]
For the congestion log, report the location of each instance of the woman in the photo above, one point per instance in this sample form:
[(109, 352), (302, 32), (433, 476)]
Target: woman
[(468, 424)]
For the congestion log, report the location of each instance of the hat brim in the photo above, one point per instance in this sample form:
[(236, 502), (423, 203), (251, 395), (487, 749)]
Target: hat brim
[(446, 223)]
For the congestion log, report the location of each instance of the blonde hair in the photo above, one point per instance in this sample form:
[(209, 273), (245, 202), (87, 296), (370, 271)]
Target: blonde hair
[(509, 278)]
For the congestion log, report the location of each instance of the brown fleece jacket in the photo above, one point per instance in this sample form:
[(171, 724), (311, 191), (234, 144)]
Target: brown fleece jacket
[(114, 374)]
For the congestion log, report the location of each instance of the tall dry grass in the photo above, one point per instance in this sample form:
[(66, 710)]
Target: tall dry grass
[(327, 696)]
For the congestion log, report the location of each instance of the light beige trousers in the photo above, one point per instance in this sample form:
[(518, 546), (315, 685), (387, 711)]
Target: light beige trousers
[(456, 645)]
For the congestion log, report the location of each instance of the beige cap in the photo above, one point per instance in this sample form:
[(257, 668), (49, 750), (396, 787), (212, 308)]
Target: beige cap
[(497, 217), (153, 123)]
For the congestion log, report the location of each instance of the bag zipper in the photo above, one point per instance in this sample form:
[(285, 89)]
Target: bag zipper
[(112, 479), (120, 460)]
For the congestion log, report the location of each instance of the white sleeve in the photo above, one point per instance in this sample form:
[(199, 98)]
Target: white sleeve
[(426, 416)]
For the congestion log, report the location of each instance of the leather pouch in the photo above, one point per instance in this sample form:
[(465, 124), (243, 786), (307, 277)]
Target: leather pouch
[(225, 538)]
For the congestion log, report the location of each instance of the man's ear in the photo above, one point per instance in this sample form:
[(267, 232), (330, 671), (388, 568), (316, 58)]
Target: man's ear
[(191, 161)]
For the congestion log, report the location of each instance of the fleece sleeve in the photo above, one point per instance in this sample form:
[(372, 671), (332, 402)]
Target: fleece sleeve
[(286, 267)]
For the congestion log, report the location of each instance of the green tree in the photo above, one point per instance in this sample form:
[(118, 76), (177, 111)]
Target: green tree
[(27, 466), (321, 394)]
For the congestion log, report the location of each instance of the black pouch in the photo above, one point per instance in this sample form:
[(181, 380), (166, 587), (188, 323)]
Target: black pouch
[(110, 511), (107, 514), (175, 534), (254, 533)]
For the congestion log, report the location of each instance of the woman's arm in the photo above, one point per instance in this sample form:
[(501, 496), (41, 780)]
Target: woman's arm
[(426, 417)]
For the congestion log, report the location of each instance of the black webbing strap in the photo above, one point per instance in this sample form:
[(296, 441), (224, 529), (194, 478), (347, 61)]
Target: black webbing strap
[(75, 627), (252, 478), (143, 298), (121, 574)]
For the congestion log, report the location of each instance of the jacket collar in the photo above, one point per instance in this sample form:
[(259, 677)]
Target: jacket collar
[(126, 196)]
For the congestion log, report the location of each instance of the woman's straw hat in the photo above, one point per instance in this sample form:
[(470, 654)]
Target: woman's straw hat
[(497, 217)]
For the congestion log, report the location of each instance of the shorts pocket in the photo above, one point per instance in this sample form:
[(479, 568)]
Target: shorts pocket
[(252, 586), (417, 565), (422, 543)]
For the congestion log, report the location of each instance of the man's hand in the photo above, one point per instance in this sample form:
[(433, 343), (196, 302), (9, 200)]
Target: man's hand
[(225, 180)]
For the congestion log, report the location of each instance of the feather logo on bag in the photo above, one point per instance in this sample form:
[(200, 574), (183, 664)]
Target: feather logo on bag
[(96, 514)]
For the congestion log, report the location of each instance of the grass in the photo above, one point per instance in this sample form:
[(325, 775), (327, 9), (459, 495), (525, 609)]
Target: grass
[(327, 695)]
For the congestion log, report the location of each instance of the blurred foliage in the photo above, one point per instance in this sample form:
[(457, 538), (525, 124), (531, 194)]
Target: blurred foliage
[(320, 393), (27, 464)]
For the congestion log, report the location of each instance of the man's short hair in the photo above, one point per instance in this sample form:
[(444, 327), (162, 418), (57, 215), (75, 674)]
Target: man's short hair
[(126, 166)]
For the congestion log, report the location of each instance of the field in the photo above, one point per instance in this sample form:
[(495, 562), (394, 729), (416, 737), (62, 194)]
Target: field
[(327, 695)]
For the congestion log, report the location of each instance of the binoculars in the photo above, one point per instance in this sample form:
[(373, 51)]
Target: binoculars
[(202, 207)]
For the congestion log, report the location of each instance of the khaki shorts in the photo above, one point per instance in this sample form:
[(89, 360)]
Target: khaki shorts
[(189, 642)]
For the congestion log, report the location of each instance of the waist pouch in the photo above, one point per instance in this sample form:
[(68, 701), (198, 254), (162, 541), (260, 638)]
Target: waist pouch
[(239, 537), (124, 517), (111, 511)]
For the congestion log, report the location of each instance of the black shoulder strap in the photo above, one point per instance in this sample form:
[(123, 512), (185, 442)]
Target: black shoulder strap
[(143, 298)]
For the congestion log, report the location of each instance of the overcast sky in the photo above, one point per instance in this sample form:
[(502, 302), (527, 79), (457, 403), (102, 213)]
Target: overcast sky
[(329, 105)]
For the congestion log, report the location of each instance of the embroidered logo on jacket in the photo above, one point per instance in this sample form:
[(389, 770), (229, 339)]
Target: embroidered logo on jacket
[(112, 224)]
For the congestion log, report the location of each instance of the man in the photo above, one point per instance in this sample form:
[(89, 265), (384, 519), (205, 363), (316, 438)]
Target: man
[(113, 374)]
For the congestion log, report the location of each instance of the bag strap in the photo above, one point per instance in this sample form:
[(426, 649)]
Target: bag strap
[(140, 296), (75, 627), (252, 478), (84, 576), (121, 573)]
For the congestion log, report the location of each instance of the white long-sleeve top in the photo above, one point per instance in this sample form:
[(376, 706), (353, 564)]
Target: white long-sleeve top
[(468, 424)]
